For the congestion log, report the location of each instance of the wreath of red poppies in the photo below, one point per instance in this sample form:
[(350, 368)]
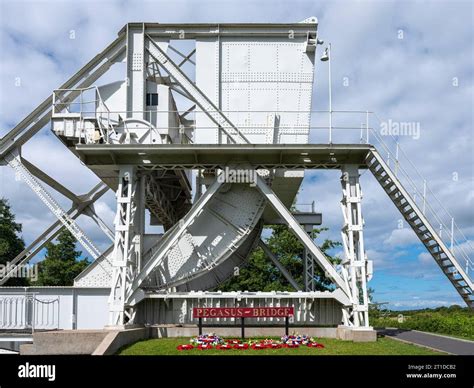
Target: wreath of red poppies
[(185, 347), (288, 342), (205, 346), (225, 346)]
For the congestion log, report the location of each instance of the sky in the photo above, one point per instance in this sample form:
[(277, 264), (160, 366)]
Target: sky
[(411, 62)]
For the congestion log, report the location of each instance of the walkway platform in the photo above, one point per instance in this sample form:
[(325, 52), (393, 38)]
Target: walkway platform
[(208, 156)]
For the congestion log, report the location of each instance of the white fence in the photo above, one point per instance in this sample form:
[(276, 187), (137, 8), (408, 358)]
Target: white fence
[(28, 312), (49, 308)]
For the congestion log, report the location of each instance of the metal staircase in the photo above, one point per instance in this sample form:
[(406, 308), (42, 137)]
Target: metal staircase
[(443, 256)]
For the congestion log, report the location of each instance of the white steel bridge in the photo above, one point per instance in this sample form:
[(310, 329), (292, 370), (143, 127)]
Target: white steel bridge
[(195, 101)]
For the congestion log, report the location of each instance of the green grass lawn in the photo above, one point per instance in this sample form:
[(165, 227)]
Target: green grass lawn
[(383, 346)]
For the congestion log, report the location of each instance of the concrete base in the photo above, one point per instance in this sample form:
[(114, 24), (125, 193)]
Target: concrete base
[(117, 339), (105, 342), (365, 334), (122, 327), (64, 342)]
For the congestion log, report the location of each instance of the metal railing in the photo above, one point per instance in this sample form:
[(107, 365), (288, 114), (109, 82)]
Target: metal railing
[(343, 128), (424, 196), (25, 312), (420, 191), (82, 99), (305, 207)]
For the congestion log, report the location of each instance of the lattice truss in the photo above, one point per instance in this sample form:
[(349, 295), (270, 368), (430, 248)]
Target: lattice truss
[(129, 230), (10, 153), (204, 242), (355, 262)]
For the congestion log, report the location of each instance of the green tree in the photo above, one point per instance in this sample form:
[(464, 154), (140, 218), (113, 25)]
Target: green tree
[(10, 243), (260, 274), (61, 264)]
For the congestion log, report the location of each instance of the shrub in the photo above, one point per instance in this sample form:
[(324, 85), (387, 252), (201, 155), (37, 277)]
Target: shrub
[(447, 322)]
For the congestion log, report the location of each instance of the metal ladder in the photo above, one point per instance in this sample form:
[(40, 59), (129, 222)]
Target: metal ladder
[(421, 226)]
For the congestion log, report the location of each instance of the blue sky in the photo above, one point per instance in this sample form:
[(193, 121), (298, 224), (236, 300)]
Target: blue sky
[(407, 61)]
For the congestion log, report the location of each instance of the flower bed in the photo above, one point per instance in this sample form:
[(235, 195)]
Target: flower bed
[(296, 339), (212, 341), (207, 339)]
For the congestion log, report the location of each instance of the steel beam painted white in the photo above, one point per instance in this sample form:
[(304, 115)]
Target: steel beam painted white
[(14, 160), (85, 77), (208, 107), (136, 76), (88, 211), (38, 173), (52, 231), (134, 296), (301, 234), (214, 30), (355, 261), (308, 267), (128, 246)]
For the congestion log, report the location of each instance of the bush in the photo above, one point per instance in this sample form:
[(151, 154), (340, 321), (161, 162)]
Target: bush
[(453, 322)]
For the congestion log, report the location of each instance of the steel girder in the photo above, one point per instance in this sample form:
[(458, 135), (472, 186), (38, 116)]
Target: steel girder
[(41, 115), (82, 201), (208, 107), (11, 143), (298, 230), (355, 261), (14, 161), (86, 203), (135, 293), (158, 203), (128, 245)]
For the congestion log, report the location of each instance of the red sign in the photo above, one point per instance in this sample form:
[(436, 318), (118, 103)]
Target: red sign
[(242, 312)]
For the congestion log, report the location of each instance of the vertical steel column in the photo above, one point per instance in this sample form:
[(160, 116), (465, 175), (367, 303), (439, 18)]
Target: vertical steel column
[(355, 260), (136, 79), (308, 265), (128, 246)]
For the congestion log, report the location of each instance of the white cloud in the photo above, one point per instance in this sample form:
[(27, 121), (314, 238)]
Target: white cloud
[(425, 258), (421, 303), (401, 237)]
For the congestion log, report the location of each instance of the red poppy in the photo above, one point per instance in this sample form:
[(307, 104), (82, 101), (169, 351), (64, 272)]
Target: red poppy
[(241, 346), (315, 345), (274, 346), (224, 346), (205, 347), (185, 347)]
